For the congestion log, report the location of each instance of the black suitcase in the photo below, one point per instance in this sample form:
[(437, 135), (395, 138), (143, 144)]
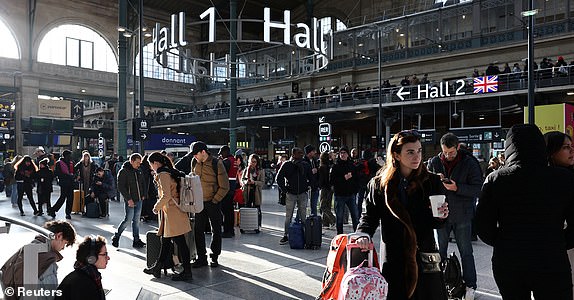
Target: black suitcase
[(92, 209), (313, 232), (153, 247)]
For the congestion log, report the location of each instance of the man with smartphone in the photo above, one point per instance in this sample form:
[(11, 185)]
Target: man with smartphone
[(462, 178)]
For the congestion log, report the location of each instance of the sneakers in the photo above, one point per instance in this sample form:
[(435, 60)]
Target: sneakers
[(138, 244), (115, 241), (183, 276), (155, 270), (469, 293), (200, 262), (284, 240)]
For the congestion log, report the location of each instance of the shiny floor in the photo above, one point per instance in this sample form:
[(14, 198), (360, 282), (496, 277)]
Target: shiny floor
[(252, 266)]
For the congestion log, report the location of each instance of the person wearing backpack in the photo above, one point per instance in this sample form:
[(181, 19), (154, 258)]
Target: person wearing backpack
[(215, 185), (398, 201), (64, 171), (13, 269), (173, 223)]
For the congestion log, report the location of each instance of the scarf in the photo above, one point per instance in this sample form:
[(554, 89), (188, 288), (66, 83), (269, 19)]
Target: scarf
[(449, 165), (91, 271)]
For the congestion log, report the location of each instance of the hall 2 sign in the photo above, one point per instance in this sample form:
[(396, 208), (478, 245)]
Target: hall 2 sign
[(424, 91)]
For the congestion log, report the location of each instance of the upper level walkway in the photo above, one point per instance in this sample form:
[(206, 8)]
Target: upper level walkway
[(252, 266), (454, 89)]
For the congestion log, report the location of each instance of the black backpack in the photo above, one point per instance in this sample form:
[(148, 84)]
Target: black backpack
[(453, 277)]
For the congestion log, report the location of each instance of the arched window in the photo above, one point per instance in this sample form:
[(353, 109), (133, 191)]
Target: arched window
[(9, 47), (77, 46)]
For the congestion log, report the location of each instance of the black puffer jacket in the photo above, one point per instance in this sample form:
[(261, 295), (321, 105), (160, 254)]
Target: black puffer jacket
[(294, 177), (131, 183), (523, 206), (342, 186)]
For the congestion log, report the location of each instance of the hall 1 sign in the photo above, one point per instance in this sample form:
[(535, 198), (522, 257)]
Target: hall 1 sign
[(425, 91)]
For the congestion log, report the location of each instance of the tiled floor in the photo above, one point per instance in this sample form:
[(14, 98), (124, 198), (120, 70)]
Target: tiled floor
[(252, 266)]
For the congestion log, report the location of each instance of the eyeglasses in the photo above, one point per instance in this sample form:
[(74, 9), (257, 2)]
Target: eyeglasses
[(410, 132)]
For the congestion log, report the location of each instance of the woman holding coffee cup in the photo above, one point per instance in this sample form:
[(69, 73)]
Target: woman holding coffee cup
[(399, 199)]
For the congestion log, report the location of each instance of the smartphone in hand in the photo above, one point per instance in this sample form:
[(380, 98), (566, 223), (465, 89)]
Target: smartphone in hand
[(446, 180)]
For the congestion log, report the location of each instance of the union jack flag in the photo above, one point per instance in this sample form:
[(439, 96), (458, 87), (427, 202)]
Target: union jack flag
[(486, 84)]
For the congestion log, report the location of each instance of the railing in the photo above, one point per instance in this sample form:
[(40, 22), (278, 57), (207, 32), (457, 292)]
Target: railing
[(336, 99), (30, 272)]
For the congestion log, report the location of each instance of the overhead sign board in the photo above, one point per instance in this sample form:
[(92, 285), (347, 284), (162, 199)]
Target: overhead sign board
[(481, 85), (324, 129), (54, 108), (479, 135)]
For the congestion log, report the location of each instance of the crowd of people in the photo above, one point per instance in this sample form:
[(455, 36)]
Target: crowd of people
[(394, 194)]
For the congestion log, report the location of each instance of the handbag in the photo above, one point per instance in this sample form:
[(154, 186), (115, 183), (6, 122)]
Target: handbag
[(238, 196), (430, 261)]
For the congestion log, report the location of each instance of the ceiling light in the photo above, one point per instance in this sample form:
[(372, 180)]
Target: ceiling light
[(83, 90), (147, 34), (144, 29), (481, 118), (402, 34), (463, 17), (361, 45), (131, 92), (340, 42), (570, 93), (358, 112), (121, 29), (127, 34), (397, 30), (254, 60), (265, 127)]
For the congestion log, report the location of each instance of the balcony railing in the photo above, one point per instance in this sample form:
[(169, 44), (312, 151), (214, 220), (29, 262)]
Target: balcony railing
[(336, 100)]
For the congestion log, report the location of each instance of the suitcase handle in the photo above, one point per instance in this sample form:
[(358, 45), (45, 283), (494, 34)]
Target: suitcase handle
[(354, 250)]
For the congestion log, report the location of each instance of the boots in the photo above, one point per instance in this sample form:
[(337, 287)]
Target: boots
[(183, 276), (154, 270)]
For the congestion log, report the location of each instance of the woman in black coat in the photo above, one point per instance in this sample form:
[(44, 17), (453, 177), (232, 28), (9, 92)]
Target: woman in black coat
[(25, 174), (398, 199), (521, 213), (85, 282), (44, 178)]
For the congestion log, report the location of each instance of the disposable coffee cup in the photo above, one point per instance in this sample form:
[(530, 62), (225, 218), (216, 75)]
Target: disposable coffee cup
[(436, 202)]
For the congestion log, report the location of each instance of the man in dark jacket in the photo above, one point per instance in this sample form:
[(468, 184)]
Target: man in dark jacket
[(101, 189), (343, 178), (311, 159), (521, 213), (294, 179), (131, 186), (64, 171), (462, 179)]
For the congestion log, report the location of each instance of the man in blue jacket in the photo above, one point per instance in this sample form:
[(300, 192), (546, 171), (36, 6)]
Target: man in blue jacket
[(462, 179), (294, 179)]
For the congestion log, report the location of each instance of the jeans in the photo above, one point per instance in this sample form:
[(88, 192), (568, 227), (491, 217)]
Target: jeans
[(211, 213), (132, 213), (314, 200), (27, 189), (8, 190), (14, 195), (301, 201), (360, 197), (326, 206), (340, 203), (462, 234)]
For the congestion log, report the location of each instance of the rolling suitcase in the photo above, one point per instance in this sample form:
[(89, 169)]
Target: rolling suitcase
[(78, 204), (190, 240), (248, 219), (153, 248), (296, 235), (313, 232)]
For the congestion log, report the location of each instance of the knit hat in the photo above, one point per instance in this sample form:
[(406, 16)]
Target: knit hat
[(344, 148), (308, 149)]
